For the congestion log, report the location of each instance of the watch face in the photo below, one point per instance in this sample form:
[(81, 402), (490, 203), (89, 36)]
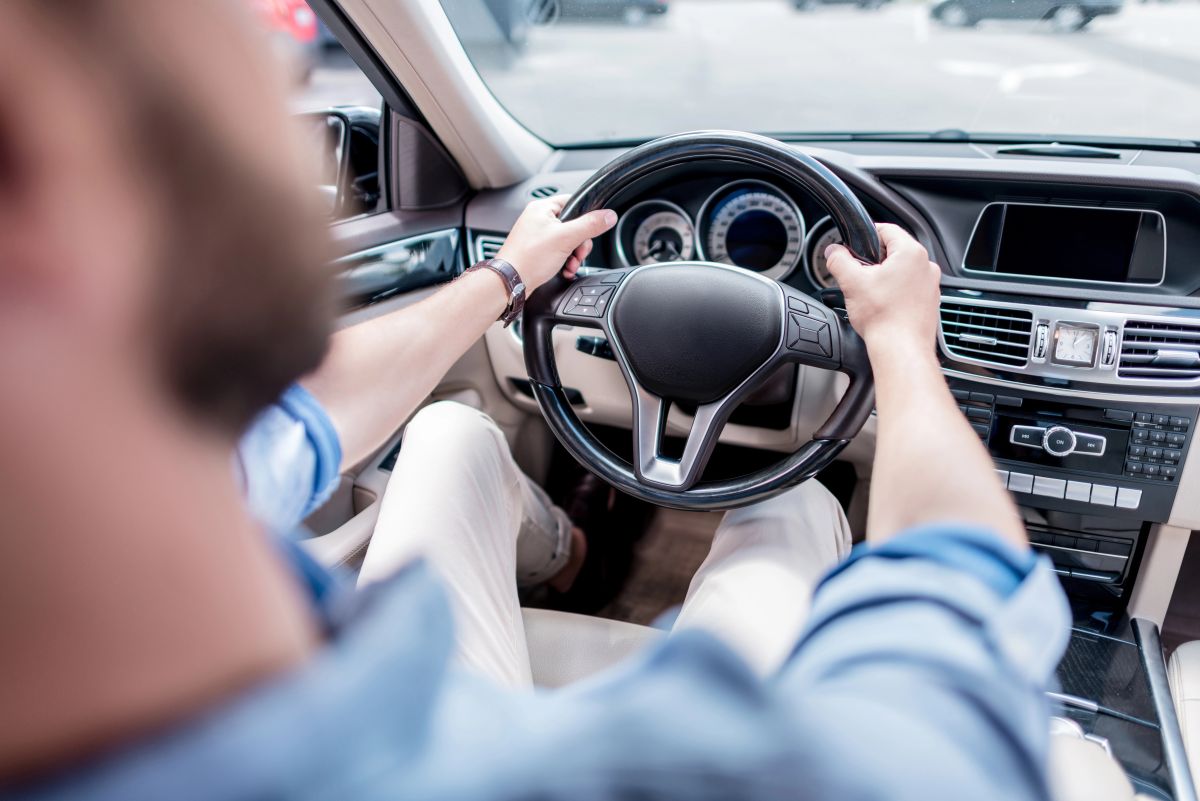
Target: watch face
[(1075, 344)]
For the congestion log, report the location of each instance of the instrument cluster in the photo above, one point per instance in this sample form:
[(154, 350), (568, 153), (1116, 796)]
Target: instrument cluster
[(748, 223)]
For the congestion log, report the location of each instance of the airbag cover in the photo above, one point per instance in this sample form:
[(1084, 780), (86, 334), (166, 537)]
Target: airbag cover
[(693, 332)]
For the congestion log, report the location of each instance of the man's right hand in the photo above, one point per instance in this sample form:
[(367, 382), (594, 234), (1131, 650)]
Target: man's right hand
[(897, 299)]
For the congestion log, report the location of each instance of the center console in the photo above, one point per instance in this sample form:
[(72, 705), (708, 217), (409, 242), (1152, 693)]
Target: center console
[(1089, 475)]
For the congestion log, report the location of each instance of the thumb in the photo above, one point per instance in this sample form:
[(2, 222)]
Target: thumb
[(589, 225), (842, 266)]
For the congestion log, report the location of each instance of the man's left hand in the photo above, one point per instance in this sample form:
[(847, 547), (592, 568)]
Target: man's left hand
[(540, 244)]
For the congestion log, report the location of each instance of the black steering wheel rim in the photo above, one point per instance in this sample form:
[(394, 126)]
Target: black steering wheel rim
[(807, 332)]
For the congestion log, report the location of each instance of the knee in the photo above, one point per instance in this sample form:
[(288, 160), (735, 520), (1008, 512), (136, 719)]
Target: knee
[(453, 429)]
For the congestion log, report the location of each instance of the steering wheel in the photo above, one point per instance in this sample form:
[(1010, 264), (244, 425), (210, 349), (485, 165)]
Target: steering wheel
[(703, 334)]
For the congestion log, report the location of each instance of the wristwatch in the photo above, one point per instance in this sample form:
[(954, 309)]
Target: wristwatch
[(512, 283)]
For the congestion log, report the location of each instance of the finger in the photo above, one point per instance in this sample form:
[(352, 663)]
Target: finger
[(571, 268), (589, 225), (842, 264), (894, 238), (582, 251), (556, 203)]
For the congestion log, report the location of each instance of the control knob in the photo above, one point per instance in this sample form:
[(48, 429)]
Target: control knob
[(1059, 441)]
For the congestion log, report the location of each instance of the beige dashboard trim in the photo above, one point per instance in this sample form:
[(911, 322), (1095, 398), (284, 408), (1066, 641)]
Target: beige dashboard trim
[(1159, 571)]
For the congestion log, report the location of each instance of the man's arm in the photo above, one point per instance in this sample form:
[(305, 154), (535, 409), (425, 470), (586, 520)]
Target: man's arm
[(929, 464), (378, 372)]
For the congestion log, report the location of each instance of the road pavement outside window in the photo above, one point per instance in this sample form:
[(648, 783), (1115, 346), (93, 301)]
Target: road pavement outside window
[(761, 65)]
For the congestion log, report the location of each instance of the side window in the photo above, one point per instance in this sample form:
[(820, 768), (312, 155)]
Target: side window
[(337, 105)]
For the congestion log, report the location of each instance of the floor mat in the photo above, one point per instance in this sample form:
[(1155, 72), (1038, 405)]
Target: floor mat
[(665, 559)]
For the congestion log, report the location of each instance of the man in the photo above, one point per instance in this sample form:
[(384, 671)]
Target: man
[(158, 289)]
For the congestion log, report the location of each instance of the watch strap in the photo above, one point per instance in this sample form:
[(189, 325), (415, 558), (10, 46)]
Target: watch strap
[(514, 286)]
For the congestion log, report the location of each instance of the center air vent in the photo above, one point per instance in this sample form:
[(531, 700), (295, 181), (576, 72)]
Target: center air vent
[(486, 247), (1160, 351), (544, 192), (991, 334)]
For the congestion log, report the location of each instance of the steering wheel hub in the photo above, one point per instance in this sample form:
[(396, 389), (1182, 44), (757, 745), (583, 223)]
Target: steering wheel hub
[(694, 332)]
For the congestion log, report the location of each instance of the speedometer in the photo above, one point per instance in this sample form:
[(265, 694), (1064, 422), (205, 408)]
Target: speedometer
[(753, 225)]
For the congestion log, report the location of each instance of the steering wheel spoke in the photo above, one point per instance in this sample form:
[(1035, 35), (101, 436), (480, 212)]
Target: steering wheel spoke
[(650, 413)]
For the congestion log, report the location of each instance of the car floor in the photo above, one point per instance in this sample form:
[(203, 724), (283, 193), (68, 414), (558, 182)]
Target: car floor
[(665, 558)]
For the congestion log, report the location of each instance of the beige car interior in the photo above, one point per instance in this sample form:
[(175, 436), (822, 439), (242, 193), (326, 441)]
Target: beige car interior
[(1133, 564)]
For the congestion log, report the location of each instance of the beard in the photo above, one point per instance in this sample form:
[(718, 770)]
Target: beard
[(244, 301)]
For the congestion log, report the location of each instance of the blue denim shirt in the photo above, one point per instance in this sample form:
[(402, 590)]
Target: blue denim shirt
[(921, 675)]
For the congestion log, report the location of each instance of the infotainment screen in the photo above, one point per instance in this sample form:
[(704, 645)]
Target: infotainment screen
[(1072, 243)]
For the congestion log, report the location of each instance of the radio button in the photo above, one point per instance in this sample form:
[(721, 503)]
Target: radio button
[(1181, 422), (1059, 441), (1154, 453), (1029, 436), (1172, 454), (1162, 419), (1128, 498), (1090, 444), (1020, 482), (1137, 451), (1143, 417), (1169, 472), (1161, 436), (1174, 439), (975, 413), (1140, 435), (1079, 491), (1104, 495), (1050, 487), (1133, 467), (1120, 415), (1151, 470)]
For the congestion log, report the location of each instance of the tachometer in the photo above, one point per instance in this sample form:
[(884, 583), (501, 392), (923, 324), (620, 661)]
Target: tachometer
[(754, 225), (662, 232)]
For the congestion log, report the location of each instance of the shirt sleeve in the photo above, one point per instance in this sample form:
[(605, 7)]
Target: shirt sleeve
[(289, 460)]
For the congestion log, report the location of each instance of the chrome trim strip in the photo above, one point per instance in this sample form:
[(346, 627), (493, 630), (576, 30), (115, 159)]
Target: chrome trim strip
[(624, 260), (992, 273), (774, 273), (1174, 752), (1053, 392)]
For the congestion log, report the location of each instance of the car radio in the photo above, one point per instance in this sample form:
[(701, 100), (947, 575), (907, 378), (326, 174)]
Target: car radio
[(1089, 475)]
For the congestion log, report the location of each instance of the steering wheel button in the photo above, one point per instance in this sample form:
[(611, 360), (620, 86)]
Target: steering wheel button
[(795, 304), (587, 300), (595, 290)]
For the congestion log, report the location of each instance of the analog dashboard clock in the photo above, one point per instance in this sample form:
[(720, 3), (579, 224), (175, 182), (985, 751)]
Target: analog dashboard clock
[(1075, 344)]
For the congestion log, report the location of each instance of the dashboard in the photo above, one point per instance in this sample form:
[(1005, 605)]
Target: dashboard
[(1069, 325)]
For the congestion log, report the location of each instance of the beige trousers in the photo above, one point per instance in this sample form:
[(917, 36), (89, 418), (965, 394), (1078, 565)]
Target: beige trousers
[(457, 498)]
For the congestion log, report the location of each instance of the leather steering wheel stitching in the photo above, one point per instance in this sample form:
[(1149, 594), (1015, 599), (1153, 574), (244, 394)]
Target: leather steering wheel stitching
[(702, 334)]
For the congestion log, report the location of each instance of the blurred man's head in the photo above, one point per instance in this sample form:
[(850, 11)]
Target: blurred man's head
[(160, 281), (150, 208)]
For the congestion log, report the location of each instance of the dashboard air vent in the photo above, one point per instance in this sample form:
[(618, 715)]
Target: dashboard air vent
[(544, 191), (486, 247), (1161, 351), (993, 334)]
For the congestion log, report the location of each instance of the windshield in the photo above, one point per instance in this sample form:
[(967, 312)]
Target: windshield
[(591, 71)]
